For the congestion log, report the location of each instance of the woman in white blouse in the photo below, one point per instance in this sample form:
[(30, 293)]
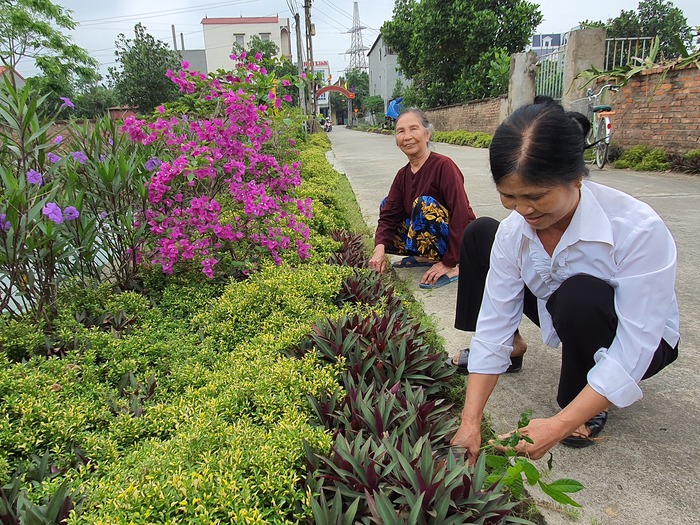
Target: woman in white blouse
[(593, 267)]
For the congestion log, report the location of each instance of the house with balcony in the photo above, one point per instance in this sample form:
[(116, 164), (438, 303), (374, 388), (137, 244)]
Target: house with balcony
[(220, 34)]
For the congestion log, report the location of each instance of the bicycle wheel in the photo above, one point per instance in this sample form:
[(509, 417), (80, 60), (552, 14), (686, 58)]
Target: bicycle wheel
[(602, 143)]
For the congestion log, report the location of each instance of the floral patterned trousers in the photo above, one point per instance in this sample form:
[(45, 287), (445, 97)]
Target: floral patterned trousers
[(425, 233)]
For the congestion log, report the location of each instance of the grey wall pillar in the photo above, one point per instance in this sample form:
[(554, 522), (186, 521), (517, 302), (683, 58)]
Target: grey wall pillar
[(586, 48), (521, 87)]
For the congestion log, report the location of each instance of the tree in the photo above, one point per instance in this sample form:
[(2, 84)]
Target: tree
[(373, 105), (94, 101), (279, 66), (399, 89), (655, 18), (358, 83), (36, 29), (144, 61), (56, 85), (439, 42)]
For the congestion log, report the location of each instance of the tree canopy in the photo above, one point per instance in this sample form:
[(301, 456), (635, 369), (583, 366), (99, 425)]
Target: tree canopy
[(36, 29), (140, 80), (442, 45), (279, 66), (655, 18)]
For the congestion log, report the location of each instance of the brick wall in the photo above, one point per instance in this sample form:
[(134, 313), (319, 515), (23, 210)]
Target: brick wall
[(478, 115), (659, 112)]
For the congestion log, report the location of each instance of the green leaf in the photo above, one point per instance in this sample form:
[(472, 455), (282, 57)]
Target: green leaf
[(557, 495), (567, 485), (530, 471)]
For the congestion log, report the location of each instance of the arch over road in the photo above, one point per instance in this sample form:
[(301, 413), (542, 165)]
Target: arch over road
[(334, 88)]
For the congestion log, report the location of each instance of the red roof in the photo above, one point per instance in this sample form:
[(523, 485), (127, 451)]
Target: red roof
[(243, 20)]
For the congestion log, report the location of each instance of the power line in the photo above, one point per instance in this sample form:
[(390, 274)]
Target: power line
[(153, 14)]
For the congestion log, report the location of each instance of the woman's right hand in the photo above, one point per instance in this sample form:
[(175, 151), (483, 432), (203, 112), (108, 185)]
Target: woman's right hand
[(378, 260), (468, 437)]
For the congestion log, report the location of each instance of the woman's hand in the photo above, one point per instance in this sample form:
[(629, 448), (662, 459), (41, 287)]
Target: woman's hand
[(437, 270), (378, 260), (468, 437), (544, 433)]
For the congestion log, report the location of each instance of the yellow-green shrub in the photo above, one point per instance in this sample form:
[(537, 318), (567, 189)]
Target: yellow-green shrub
[(475, 139)]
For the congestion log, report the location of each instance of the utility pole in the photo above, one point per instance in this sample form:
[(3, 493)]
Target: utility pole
[(300, 60), (310, 31)]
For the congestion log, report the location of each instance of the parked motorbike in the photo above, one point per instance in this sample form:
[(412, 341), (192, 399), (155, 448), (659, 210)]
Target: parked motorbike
[(327, 126)]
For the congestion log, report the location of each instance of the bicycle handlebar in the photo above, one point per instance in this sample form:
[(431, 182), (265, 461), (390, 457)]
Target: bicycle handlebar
[(611, 87)]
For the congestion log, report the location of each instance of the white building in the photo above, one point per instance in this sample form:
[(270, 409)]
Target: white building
[(220, 34), (324, 69), (383, 71)]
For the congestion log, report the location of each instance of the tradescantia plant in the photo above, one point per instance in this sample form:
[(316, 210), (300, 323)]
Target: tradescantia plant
[(397, 481)]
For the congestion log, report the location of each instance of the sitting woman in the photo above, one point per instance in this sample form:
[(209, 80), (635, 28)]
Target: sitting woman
[(427, 208), (593, 267)]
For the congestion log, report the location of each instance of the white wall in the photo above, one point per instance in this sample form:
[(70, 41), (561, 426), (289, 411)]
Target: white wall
[(220, 37), (383, 71)]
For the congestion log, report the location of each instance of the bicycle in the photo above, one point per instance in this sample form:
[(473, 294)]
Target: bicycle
[(601, 124)]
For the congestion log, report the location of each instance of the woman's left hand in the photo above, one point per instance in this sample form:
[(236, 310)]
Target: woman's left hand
[(544, 433), (436, 271)]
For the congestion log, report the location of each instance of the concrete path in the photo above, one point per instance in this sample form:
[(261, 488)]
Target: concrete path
[(646, 469)]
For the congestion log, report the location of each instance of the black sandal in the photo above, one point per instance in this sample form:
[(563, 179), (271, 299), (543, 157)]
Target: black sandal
[(595, 425), (516, 363)]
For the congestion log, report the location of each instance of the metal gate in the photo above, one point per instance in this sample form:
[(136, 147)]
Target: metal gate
[(551, 70)]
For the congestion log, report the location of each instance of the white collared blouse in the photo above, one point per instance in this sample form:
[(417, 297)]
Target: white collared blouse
[(612, 236)]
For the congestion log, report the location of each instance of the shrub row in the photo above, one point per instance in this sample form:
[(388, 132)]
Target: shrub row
[(177, 405), (646, 158), (474, 139)]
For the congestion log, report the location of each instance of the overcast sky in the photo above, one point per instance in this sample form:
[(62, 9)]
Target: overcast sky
[(101, 21)]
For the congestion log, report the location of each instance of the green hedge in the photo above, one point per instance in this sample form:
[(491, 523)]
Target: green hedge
[(179, 405), (474, 139)]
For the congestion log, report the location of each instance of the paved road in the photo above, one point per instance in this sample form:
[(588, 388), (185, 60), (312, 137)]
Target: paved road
[(645, 470)]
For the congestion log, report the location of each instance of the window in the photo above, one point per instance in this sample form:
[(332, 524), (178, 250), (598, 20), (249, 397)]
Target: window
[(239, 39), (265, 37)]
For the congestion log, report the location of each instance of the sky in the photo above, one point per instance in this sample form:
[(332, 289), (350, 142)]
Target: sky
[(100, 21)]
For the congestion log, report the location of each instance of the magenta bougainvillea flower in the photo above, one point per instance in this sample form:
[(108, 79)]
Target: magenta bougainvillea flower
[(67, 103), (199, 155), (53, 212), (34, 177)]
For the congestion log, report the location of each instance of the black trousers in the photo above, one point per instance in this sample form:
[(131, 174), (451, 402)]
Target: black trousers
[(582, 310)]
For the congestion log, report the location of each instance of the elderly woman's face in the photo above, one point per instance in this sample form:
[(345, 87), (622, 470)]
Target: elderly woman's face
[(540, 206), (411, 136)]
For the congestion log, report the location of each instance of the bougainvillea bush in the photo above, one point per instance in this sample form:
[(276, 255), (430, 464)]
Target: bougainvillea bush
[(218, 195)]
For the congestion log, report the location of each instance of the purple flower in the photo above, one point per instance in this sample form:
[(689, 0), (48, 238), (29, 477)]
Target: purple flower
[(58, 139), (53, 212), (67, 103), (79, 156), (4, 223), (153, 163), (52, 157), (160, 109), (70, 213), (34, 177)]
